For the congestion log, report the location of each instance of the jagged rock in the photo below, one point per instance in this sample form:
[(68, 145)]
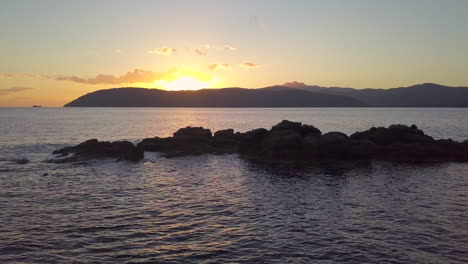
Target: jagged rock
[(393, 134), (186, 141), (291, 141), (152, 144), (287, 125), (178, 146), (310, 130), (225, 141), (226, 133), (94, 148), (198, 133), (127, 151), (297, 127)]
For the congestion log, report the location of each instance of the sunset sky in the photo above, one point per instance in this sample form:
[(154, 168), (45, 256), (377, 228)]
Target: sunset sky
[(55, 51)]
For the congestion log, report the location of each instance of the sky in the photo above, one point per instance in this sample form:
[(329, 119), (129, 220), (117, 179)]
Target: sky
[(52, 52)]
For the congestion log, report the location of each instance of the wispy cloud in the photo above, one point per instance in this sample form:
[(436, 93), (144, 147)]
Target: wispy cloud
[(136, 76), (222, 66), (6, 91), (201, 52), (20, 75), (204, 49), (163, 50), (249, 65), (229, 48), (28, 75)]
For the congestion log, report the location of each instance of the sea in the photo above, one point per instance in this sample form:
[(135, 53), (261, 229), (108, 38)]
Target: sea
[(221, 208)]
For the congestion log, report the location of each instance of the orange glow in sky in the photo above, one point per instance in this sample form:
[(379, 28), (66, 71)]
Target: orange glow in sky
[(184, 83)]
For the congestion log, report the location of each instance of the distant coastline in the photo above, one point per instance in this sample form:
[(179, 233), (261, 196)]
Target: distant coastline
[(289, 95)]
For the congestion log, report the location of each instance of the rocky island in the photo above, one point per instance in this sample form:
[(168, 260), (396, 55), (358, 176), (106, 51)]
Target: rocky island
[(286, 141)]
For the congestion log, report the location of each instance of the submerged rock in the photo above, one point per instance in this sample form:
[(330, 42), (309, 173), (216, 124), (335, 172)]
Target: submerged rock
[(96, 149)]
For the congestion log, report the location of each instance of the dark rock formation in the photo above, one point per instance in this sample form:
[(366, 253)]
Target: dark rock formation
[(193, 133), (363, 149), (334, 145), (224, 134), (290, 141), (251, 142), (225, 141), (286, 141), (192, 141), (393, 134), (282, 144), (296, 127), (122, 150)]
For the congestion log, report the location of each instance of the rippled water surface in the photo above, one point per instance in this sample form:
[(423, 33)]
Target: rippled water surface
[(222, 209)]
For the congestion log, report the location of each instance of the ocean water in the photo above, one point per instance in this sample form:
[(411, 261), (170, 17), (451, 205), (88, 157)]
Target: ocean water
[(222, 209)]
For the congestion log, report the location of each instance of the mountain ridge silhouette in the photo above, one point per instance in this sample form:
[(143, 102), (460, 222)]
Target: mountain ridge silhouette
[(292, 94)]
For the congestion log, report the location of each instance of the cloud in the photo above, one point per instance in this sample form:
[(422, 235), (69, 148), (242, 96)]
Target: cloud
[(7, 75), (222, 66), (229, 48), (118, 51), (14, 90), (28, 75), (136, 76), (201, 52), (163, 50), (249, 65), (20, 75)]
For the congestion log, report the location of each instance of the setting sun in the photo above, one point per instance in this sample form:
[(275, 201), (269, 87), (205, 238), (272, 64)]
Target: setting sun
[(184, 83)]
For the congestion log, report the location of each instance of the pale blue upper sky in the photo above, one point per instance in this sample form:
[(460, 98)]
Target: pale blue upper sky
[(354, 43)]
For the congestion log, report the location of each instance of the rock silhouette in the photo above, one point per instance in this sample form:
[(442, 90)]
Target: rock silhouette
[(286, 141), (296, 141), (122, 150)]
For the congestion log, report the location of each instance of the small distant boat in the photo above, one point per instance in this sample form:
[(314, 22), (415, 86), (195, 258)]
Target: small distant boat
[(37, 106)]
